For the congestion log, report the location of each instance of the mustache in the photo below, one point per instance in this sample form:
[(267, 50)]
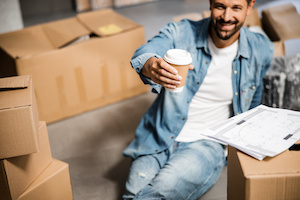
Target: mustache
[(222, 21)]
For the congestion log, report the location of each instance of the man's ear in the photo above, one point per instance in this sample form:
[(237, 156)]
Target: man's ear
[(250, 6)]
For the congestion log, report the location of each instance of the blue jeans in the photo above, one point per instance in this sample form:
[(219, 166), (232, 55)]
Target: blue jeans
[(184, 171)]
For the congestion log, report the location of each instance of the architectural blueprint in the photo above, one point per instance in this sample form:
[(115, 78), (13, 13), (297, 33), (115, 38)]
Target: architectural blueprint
[(259, 132)]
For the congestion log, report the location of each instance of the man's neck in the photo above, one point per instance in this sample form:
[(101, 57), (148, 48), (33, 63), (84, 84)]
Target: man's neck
[(219, 43)]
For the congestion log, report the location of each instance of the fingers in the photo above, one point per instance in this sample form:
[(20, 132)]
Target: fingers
[(164, 74), (191, 67)]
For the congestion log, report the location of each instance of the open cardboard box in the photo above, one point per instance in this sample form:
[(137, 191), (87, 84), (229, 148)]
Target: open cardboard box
[(77, 64), (19, 120), (269, 179), (17, 173)]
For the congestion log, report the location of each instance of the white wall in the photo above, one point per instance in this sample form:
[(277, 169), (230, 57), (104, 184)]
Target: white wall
[(10, 16)]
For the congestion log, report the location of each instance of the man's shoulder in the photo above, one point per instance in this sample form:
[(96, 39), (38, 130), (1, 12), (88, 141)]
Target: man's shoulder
[(192, 23), (258, 42), (256, 38)]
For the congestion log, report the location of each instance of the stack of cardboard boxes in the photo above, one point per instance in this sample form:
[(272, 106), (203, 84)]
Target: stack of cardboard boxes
[(27, 169)]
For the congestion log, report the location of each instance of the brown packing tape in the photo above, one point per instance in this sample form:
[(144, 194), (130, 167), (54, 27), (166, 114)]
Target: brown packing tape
[(61, 93), (80, 84), (124, 78), (104, 77)]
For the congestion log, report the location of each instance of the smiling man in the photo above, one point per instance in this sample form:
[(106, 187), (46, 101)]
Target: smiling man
[(170, 157)]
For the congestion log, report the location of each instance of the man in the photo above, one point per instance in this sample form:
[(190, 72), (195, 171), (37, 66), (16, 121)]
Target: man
[(171, 159)]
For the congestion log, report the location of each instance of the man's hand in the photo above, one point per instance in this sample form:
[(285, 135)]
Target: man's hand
[(162, 73)]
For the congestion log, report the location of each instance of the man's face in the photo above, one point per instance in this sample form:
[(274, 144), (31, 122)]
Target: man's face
[(228, 16)]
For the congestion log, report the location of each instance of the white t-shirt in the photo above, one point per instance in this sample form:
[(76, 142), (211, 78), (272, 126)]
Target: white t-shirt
[(212, 102)]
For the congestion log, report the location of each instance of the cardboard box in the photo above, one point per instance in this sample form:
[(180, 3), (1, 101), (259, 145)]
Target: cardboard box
[(275, 178), (74, 78), (53, 184), (82, 5), (19, 118), (122, 3), (281, 22), (100, 4), (16, 174)]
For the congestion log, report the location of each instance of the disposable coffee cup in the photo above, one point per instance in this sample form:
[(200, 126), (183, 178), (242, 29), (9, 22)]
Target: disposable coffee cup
[(180, 60)]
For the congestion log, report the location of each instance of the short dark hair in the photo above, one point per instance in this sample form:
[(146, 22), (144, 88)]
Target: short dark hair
[(248, 1)]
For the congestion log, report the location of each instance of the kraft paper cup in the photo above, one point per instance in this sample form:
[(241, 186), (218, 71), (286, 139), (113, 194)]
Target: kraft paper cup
[(179, 59)]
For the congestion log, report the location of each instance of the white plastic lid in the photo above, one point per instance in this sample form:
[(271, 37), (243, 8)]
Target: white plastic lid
[(178, 57)]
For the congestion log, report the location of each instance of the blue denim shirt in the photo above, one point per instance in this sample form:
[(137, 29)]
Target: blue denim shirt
[(165, 118)]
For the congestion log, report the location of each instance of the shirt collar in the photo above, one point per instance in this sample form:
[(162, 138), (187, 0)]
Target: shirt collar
[(202, 32)]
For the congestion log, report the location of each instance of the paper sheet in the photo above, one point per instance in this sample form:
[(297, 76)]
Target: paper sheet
[(260, 132)]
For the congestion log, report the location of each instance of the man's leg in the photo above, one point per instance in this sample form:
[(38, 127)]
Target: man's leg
[(142, 171), (191, 170)]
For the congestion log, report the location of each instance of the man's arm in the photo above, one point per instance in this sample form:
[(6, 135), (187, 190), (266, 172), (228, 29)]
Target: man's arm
[(148, 63)]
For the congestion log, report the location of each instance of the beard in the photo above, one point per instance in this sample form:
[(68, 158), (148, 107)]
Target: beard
[(226, 34)]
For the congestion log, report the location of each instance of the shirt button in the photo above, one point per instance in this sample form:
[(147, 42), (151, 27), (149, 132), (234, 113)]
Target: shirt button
[(188, 101), (138, 69), (236, 93), (172, 137), (206, 62), (253, 87), (235, 72), (183, 118), (198, 83), (237, 113)]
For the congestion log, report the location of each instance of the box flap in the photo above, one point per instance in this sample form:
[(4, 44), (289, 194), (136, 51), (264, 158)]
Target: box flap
[(64, 31), (285, 163), (25, 42), (15, 91), (17, 82), (106, 22)]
